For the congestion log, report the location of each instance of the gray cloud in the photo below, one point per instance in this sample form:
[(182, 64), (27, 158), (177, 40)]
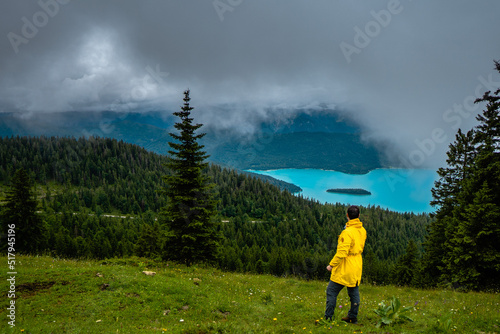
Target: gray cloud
[(402, 69)]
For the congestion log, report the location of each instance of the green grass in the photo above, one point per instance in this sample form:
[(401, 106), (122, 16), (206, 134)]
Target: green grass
[(65, 296)]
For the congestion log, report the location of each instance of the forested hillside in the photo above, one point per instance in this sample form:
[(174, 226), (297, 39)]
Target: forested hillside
[(84, 186), (310, 140), (343, 152)]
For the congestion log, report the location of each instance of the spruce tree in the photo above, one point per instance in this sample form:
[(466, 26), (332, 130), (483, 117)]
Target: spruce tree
[(460, 159), (149, 243), (463, 241), (406, 268), (19, 214), (445, 198), (190, 211), (474, 251)]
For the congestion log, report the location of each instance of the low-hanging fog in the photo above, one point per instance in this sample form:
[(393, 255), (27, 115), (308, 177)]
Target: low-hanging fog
[(406, 71)]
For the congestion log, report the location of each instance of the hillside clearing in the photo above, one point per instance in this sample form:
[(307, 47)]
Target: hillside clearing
[(115, 296)]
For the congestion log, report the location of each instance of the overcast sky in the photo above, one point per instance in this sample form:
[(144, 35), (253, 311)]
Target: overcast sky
[(407, 71)]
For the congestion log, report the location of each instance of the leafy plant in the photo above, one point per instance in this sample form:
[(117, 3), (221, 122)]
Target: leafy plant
[(267, 298), (444, 324), (392, 313)]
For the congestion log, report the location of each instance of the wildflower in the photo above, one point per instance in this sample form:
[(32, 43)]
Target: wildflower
[(275, 319)]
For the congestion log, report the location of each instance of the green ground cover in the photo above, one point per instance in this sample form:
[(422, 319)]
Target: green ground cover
[(115, 296)]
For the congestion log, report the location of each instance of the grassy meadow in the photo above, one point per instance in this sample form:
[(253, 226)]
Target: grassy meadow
[(115, 296)]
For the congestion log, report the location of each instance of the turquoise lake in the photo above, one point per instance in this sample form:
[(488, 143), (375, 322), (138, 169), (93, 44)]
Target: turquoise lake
[(402, 190)]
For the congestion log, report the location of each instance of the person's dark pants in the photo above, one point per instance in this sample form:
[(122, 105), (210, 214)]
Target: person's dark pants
[(332, 291)]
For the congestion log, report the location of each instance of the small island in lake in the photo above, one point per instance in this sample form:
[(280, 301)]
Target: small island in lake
[(350, 191)]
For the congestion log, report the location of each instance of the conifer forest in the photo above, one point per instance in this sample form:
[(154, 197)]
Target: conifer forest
[(103, 198)]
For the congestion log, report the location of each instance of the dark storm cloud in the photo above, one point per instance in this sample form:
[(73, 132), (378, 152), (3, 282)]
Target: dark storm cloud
[(405, 70)]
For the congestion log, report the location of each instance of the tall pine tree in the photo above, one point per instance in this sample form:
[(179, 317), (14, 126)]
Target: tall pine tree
[(406, 269), (467, 226), (445, 193), (190, 211), (19, 214), (474, 255)]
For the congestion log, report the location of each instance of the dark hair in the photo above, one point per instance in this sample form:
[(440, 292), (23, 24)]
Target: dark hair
[(353, 212)]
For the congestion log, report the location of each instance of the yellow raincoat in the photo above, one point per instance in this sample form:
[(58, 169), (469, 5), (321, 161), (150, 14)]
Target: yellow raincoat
[(347, 264)]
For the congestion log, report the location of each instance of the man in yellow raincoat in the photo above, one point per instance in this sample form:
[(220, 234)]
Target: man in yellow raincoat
[(346, 266)]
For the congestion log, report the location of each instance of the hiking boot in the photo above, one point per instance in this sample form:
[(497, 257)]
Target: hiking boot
[(350, 320)]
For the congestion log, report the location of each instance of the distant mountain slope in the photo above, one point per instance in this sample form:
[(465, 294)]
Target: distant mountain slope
[(342, 152), (308, 140), (319, 121)]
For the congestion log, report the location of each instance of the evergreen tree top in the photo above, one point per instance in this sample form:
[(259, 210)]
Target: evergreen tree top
[(186, 128)]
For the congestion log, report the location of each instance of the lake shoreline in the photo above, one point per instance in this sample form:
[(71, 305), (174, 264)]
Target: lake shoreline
[(396, 189)]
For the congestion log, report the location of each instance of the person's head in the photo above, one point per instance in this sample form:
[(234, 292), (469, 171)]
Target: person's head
[(353, 212)]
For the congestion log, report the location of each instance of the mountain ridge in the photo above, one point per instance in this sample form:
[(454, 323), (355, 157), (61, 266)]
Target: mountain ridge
[(305, 141)]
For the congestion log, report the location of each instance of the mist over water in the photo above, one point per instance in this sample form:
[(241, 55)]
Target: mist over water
[(394, 76), (401, 190)]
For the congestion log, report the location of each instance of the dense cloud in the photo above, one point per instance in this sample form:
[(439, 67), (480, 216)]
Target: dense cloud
[(406, 71)]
